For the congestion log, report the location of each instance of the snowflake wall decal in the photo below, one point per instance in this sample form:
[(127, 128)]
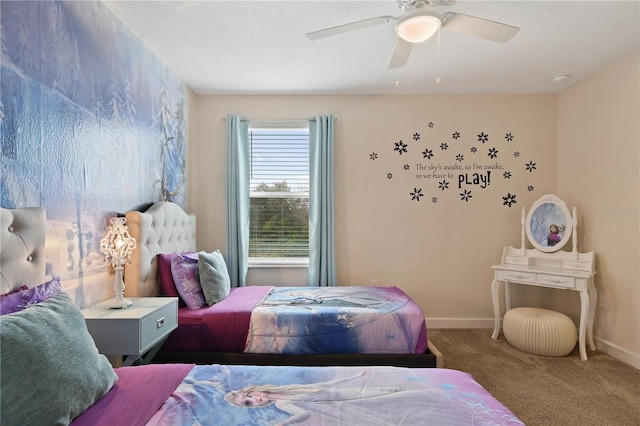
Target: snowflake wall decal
[(509, 199), (400, 147), (416, 194), (474, 154)]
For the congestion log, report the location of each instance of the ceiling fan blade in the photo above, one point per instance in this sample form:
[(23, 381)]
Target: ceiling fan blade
[(400, 54), (479, 27), (352, 26)]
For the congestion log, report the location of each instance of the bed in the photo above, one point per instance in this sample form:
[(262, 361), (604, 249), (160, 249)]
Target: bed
[(53, 374), (266, 325)]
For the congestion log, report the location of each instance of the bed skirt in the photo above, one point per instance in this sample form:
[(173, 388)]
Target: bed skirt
[(432, 358)]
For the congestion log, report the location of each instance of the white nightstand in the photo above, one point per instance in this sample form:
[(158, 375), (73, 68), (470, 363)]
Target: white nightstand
[(136, 332)]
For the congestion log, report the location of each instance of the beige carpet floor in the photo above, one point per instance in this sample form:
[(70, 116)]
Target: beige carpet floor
[(545, 391)]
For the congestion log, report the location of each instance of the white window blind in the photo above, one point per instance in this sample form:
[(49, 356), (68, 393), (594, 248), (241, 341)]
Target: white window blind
[(279, 191)]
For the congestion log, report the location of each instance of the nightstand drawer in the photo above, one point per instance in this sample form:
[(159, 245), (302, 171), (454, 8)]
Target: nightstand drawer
[(556, 281), (523, 277), (157, 325), (134, 330)]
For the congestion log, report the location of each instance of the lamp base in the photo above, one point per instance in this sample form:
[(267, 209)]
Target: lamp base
[(118, 286), (119, 304)]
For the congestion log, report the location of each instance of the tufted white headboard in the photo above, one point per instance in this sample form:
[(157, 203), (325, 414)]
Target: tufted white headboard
[(164, 228), (22, 239)]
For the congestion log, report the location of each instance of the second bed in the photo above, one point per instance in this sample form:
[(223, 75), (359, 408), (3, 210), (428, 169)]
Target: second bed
[(265, 325)]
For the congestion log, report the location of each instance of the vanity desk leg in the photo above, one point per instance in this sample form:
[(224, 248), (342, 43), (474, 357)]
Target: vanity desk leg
[(593, 299), (495, 291), (584, 306), (507, 296), (588, 299)]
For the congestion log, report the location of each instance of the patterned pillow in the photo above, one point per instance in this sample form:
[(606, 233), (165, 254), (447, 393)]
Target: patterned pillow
[(167, 285), (184, 269), (23, 299), (214, 276)]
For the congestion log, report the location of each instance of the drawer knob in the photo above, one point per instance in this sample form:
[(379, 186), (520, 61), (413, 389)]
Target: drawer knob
[(160, 322)]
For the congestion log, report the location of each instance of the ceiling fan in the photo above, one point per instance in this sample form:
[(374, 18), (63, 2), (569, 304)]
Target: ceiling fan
[(419, 22)]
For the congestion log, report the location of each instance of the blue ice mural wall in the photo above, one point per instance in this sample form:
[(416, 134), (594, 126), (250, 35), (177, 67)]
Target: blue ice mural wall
[(92, 124)]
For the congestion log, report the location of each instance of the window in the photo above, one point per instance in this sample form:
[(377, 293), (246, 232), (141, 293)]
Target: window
[(279, 195)]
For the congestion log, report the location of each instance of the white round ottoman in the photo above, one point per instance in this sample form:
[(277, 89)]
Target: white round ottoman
[(539, 331)]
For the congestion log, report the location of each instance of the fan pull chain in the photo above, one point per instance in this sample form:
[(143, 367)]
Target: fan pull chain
[(438, 79)]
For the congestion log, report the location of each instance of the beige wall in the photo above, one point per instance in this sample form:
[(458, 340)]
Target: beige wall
[(439, 253), (585, 146), (598, 170)]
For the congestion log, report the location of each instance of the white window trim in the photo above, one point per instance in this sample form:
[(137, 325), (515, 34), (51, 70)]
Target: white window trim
[(278, 262), (262, 194)]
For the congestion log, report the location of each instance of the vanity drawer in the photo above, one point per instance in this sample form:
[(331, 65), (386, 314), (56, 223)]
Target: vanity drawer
[(519, 276), (556, 281)]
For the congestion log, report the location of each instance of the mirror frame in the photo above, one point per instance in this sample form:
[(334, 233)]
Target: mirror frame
[(546, 212)]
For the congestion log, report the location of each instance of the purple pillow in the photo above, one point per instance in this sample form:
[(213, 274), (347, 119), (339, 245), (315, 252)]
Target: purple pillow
[(184, 268), (167, 285), (15, 290), (23, 299)]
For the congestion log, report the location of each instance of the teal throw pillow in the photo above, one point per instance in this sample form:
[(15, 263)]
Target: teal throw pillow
[(214, 276), (51, 370)]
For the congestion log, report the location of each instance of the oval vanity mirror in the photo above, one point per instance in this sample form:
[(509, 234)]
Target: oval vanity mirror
[(549, 224)]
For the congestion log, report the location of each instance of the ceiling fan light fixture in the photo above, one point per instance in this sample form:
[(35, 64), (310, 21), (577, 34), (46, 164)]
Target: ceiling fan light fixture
[(418, 27)]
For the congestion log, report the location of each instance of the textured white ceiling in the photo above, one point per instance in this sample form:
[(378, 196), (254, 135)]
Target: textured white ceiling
[(259, 47)]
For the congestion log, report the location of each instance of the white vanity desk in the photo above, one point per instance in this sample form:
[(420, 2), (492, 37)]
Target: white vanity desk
[(549, 267)]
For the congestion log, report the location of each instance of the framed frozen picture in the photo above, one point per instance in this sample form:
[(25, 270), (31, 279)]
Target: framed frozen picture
[(549, 224)]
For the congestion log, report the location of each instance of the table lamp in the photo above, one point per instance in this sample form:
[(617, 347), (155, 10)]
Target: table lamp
[(117, 246)]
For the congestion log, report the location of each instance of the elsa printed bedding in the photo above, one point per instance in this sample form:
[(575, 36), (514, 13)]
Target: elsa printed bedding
[(304, 396), (304, 320), (284, 320), (52, 374)]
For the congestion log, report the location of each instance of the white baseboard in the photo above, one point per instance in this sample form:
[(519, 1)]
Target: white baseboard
[(618, 352), (603, 345)]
